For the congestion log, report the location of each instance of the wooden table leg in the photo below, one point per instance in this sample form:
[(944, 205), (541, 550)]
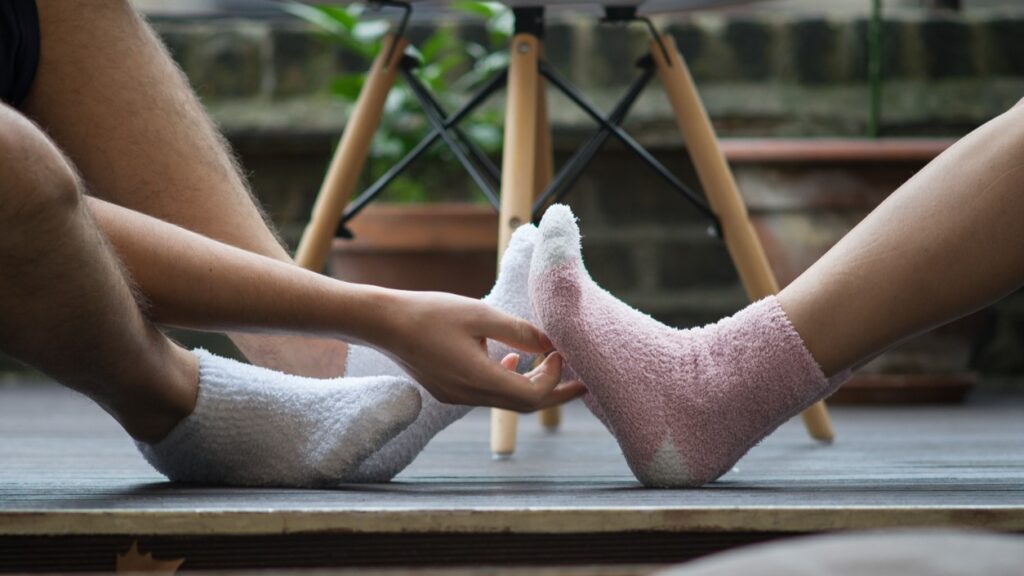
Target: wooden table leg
[(740, 238), (349, 158), (517, 184)]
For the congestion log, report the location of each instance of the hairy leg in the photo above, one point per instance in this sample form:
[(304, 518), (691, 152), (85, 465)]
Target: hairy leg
[(66, 306), (114, 101), (945, 244)]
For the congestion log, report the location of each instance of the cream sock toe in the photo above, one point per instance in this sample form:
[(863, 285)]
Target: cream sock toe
[(510, 294)]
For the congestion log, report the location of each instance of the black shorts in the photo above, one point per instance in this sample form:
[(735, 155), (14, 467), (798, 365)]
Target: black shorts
[(19, 49)]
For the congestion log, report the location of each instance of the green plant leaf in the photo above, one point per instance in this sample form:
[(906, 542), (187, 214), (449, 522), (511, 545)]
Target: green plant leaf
[(316, 16), (398, 99), (475, 50), (347, 16), (348, 86), (441, 40), (387, 146), (501, 27), (450, 67), (370, 31), (414, 52), (337, 25), (478, 8), (450, 62), (487, 136)]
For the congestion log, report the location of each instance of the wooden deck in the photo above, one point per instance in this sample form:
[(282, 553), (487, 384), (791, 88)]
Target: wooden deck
[(73, 492)]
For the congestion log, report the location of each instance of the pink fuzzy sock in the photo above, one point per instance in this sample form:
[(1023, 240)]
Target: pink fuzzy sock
[(685, 405)]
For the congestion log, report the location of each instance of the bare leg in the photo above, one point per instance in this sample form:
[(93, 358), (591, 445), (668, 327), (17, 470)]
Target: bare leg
[(114, 101), (195, 282), (66, 307), (695, 401), (947, 243)]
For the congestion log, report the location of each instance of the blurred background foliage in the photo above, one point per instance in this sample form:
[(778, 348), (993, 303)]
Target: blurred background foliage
[(450, 66)]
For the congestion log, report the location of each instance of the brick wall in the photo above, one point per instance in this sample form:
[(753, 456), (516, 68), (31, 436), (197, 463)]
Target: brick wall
[(761, 74)]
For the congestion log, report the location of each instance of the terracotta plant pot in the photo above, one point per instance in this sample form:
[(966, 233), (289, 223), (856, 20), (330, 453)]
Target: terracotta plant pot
[(443, 247)]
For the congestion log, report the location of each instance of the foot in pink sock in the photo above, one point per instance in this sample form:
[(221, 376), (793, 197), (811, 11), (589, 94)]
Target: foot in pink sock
[(684, 405)]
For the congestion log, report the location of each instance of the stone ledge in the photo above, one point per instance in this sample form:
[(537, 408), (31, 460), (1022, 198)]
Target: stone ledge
[(764, 150)]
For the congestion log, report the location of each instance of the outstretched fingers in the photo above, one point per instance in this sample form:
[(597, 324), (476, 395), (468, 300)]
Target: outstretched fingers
[(540, 388), (548, 376)]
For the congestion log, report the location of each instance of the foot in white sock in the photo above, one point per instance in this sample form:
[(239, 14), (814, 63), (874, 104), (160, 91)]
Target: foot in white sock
[(256, 427), (510, 295)]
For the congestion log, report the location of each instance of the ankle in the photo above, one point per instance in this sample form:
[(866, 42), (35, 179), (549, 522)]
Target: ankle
[(153, 413), (815, 330)]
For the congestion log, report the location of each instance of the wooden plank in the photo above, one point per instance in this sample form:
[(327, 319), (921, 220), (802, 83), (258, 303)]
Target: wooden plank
[(68, 470)]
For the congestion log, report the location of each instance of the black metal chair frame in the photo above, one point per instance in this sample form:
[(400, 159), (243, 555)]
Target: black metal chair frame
[(484, 173)]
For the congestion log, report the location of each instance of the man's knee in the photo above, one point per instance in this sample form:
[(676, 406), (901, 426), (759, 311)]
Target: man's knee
[(36, 181)]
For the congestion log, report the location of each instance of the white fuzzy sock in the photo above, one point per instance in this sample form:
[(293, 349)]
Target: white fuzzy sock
[(510, 295), (256, 427)]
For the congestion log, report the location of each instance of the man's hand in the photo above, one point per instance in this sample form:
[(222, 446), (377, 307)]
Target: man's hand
[(441, 341)]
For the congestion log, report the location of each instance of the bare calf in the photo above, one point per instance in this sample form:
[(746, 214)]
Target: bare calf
[(66, 305)]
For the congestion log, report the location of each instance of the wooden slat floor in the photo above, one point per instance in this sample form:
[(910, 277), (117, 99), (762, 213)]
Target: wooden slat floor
[(73, 490)]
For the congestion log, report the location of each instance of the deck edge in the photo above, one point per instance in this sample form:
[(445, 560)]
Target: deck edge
[(517, 521)]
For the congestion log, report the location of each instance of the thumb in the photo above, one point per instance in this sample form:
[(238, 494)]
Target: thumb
[(514, 332)]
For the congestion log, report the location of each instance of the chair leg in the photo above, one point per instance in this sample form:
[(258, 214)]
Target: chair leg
[(517, 185), (716, 178), (543, 173), (349, 158)]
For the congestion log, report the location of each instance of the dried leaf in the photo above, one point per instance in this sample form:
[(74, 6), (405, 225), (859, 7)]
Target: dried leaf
[(135, 561)]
